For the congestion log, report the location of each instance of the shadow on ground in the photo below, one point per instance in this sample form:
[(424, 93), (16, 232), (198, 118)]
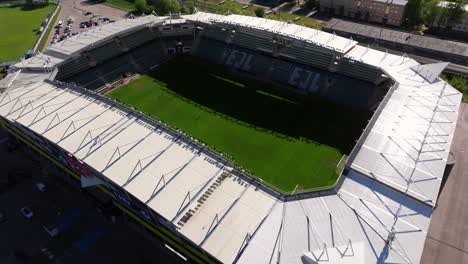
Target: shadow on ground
[(263, 105)]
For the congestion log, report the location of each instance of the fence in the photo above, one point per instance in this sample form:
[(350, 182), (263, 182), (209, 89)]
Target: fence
[(49, 22)]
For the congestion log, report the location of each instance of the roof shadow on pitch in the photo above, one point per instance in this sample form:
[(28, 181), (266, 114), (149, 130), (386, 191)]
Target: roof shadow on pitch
[(263, 105)]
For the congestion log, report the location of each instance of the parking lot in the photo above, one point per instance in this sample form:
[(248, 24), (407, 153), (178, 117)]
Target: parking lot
[(84, 235), (80, 11)]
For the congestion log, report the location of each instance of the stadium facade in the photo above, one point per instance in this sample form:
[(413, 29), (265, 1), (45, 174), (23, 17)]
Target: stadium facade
[(378, 212)]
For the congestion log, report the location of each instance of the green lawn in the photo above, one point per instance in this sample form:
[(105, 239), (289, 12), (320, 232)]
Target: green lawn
[(126, 5), (44, 40), (458, 81), (285, 138), (20, 29)]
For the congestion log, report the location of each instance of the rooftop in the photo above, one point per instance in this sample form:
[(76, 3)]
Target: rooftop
[(400, 37), (317, 37)]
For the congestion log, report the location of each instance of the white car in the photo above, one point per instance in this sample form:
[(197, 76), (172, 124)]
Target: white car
[(52, 230), (47, 253), (27, 212), (41, 186), (60, 23)]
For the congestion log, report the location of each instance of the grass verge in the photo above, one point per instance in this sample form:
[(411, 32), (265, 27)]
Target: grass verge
[(459, 82), (19, 27), (44, 40), (125, 5)]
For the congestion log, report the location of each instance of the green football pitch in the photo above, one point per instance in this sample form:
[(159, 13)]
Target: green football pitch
[(19, 27), (287, 139)]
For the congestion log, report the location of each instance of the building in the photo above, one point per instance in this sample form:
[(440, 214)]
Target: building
[(386, 12), (455, 52), (198, 202)]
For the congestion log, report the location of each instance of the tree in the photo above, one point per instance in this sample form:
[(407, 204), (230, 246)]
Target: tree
[(455, 12), (140, 6), (432, 13), (164, 7), (260, 12), (311, 4), (414, 12)]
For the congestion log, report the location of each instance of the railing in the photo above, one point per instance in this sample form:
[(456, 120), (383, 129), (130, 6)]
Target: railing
[(370, 125), (49, 24)]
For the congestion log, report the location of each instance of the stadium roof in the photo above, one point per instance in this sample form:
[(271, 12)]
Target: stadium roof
[(99, 33), (381, 212), (317, 37), (408, 146)]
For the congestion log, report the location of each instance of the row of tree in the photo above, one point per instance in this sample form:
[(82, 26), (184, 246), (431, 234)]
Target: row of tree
[(161, 7), (432, 13)]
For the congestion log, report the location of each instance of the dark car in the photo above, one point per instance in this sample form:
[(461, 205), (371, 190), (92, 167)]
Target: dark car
[(3, 217)]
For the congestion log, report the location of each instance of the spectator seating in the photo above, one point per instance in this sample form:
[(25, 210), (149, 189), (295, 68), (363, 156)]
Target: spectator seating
[(350, 91), (149, 55), (137, 60), (261, 65), (359, 70), (252, 42), (139, 37), (216, 33), (281, 71), (238, 59), (89, 79), (72, 66), (309, 55), (305, 79), (210, 50), (105, 51)]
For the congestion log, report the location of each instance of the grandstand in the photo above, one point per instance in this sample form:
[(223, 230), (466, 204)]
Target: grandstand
[(378, 211)]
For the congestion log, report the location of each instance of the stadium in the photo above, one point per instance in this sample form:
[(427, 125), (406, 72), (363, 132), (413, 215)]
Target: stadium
[(239, 139)]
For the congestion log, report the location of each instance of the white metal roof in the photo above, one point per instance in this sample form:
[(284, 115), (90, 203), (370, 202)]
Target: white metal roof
[(317, 37), (350, 227), (408, 146), (96, 34), (47, 59)]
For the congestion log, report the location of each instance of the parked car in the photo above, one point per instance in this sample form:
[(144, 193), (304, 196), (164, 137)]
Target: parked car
[(11, 146), (41, 186), (3, 217), (47, 253), (85, 24), (88, 13), (52, 230), (27, 212), (60, 23)]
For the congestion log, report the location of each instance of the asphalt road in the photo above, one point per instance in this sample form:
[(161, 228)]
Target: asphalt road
[(447, 238)]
